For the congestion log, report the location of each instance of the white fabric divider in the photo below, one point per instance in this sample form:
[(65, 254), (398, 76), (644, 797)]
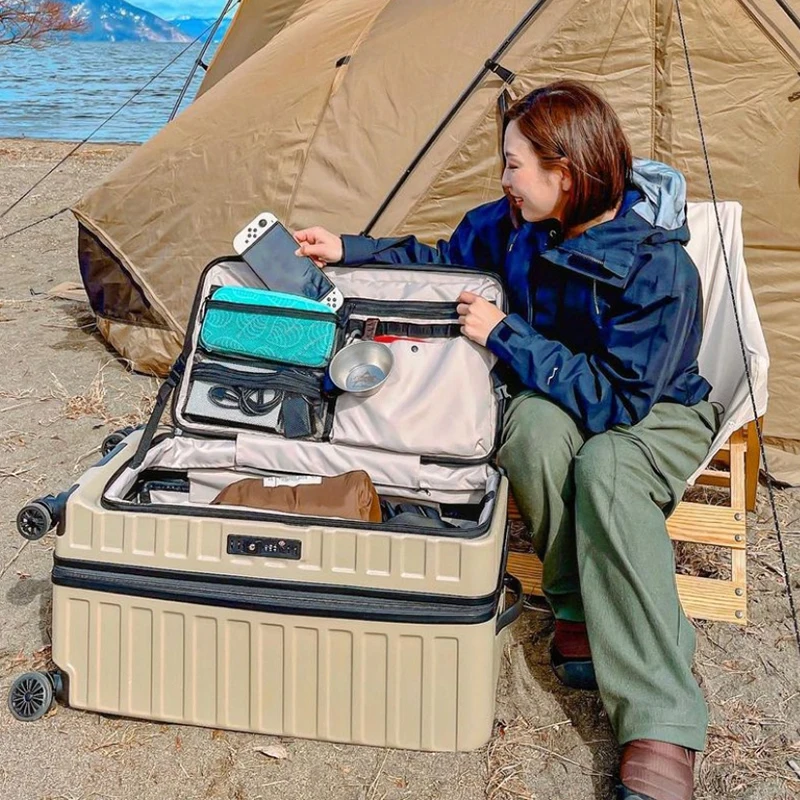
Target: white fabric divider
[(720, 357), (317, 458)]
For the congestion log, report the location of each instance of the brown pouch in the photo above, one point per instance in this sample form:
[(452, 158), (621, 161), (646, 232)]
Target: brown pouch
[(349, 496)]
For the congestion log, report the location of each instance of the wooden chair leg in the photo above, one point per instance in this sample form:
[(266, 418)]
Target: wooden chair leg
[(752, 461)]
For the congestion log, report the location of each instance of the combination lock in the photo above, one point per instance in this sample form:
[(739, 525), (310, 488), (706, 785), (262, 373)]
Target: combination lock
[(265, 547)]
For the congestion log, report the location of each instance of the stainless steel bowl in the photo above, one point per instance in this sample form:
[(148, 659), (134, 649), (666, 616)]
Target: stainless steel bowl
[(362, 367)]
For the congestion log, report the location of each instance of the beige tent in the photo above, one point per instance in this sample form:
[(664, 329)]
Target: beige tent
[(331, 111)]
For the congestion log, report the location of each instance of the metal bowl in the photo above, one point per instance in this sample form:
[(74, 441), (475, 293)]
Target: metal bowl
[(362, 367)]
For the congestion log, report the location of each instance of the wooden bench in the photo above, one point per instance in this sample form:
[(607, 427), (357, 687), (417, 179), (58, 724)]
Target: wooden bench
[(735, 468)]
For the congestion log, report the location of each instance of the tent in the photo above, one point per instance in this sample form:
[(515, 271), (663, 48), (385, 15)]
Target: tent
[(382, 115)]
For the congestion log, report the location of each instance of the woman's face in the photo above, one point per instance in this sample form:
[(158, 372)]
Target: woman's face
[(537, 192)]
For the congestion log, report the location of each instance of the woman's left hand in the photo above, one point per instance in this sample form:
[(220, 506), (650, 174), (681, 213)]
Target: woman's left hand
[(477, 317)]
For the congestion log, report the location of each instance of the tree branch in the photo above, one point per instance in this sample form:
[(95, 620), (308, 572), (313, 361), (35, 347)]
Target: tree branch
[(33, 22)]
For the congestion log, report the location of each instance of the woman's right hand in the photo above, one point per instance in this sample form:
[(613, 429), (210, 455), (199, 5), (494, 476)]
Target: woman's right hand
[(320, 245)]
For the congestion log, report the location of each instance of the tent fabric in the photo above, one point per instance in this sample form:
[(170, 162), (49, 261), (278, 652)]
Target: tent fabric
[(314, 110), (253, 25), (720, 359)]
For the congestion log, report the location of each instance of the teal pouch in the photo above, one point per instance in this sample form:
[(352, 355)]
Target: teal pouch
[(258, 323)]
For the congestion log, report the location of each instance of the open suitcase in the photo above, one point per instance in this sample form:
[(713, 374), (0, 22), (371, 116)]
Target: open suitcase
[(171, 608)]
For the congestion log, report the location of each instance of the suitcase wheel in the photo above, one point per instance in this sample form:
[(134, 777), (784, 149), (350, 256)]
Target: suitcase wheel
[(31, 696), (34, 520), (113, 439)]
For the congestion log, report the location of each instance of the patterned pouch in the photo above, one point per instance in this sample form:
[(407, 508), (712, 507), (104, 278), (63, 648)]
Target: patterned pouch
[(258, 323)]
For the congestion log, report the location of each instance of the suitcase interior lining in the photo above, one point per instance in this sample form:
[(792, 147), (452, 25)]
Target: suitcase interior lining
[(365, 422), (211, 465), (198, 488)]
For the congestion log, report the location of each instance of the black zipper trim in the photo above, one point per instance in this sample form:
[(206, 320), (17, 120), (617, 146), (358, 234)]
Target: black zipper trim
[(277, 597), (272, 311)]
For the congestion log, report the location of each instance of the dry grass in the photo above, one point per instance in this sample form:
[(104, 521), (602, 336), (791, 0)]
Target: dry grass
[(12, 440), (95, 402), (746, 753), (517, 748), (126, 736), (703, 560), (14, 663), (504, 766), (708, 495)]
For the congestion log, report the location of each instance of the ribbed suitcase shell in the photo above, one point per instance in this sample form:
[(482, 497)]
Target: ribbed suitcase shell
[(424, 687), (394, 684)]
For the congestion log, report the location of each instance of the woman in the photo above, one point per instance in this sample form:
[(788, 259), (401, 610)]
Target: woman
[(610, 414)]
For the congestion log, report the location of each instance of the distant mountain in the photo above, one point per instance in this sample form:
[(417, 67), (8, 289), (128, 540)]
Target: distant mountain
[(194, 27), (118, 21)]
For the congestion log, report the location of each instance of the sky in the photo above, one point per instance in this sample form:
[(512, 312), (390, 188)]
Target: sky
[(169, 9)]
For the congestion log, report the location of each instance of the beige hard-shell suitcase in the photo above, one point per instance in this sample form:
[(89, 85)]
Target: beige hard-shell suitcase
[(171, 608)]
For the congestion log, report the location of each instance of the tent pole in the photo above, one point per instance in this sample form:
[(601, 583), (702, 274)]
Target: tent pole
[(199, 59), (487, 67), (789, 13)]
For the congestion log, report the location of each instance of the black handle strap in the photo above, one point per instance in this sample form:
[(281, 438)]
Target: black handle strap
[(162, 398), (513, 611)]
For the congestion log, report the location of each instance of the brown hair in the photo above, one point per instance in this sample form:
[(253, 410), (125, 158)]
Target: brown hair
[(566, 119)]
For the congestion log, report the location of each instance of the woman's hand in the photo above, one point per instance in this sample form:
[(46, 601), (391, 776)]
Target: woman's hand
[(477, 317), (320, 245)]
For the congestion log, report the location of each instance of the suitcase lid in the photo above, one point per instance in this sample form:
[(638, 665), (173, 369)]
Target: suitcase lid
[(442, 401)]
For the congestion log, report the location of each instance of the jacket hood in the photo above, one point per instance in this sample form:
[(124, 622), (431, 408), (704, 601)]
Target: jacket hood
[(664, 190), (653, 211)]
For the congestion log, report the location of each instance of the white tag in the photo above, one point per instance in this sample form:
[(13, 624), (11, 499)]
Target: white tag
[(271, 481)]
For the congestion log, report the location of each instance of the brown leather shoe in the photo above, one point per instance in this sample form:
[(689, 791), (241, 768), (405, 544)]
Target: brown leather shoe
[(651, 770)]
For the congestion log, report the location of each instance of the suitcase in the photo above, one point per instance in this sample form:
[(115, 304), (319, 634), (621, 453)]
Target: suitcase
[(169, 608)]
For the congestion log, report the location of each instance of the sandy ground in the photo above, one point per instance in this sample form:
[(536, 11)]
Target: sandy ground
[(62, 390)]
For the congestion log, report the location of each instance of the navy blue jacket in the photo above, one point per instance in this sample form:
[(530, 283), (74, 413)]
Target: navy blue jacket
[(604, 324)]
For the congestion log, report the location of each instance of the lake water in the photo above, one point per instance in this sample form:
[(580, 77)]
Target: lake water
[(66, 90)]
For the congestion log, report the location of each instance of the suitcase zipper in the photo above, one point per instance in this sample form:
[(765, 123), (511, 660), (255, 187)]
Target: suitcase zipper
[(295, 521), (273, 311), (426, 308), (296, 599)]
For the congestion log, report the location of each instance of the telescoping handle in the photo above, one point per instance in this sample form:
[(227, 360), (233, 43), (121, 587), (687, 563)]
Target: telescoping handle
[(513, 611)]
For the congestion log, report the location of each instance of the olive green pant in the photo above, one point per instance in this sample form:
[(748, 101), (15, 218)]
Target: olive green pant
[(596, 507)]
